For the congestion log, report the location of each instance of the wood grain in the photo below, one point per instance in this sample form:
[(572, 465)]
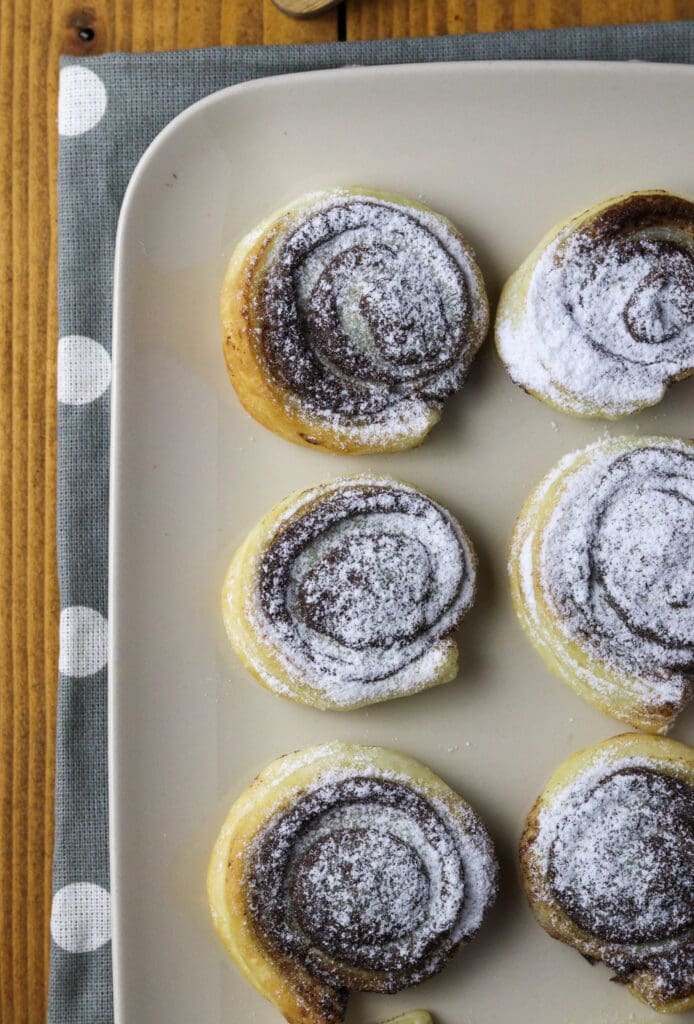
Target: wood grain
[(385, 19), (32, 35)]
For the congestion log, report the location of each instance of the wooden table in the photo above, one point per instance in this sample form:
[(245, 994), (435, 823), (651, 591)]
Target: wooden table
[(32, 35)]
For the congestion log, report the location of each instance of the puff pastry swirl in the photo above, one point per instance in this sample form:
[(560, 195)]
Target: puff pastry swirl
[(599, 319), (347, 593), (347, 868), (602, 576), (349, 317), (606, 857)]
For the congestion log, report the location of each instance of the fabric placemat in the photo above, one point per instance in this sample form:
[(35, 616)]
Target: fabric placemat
[(110, 109)]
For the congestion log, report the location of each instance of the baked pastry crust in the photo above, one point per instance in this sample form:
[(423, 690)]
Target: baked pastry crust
[(347, 593), (335, 794), (598, 557), (647, 864), (599, 319), (348, 317)]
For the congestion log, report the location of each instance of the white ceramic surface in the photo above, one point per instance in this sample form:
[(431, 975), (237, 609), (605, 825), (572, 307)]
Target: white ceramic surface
[(505, 150)]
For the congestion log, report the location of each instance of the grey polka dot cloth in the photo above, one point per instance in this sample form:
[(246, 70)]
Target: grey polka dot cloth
[(110, 109)]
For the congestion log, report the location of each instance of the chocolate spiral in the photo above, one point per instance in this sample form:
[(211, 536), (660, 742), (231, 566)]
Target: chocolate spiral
[(360, 582), (609, 317), (368, 884), (607, 856), (368, 305), (621, 863), (617, 562)]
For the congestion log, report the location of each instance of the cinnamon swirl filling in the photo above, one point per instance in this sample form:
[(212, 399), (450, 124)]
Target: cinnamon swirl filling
[(618, 562), (358, 585), (606, 856), (621, 862), (366, 304), (608, 314), (369, 885)]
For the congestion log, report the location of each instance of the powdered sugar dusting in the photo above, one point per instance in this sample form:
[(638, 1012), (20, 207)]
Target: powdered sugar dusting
[(366, 873), (618, 562), (614, 851), (358, 584), (615, 565), (369, 314), (622, 862), (608, 321)]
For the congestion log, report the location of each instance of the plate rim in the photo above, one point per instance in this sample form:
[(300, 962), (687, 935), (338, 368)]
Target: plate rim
[(181, 122)]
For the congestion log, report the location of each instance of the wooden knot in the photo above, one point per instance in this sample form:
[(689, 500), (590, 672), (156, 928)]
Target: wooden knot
[(84, 32)]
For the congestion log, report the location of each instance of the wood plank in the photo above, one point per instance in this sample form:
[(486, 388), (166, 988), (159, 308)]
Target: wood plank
[(180, 24), (387, 19), (8, 910), (32, 34), (42, 596), (21, 753)]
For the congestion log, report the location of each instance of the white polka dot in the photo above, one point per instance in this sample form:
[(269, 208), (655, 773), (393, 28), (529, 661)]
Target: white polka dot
[(81, 917), (84, 369), (83, 641), (81, 100)]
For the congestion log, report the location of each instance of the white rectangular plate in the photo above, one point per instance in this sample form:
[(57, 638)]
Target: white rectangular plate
[(505, 150)]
